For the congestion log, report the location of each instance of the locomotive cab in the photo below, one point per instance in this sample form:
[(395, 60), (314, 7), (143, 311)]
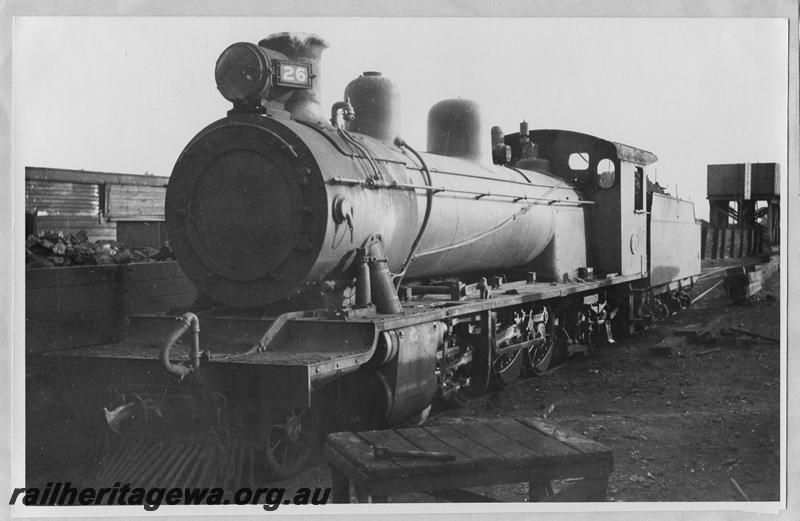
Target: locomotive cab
[(609, 235)]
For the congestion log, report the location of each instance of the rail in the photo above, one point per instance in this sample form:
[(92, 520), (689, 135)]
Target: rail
[(515, 198)]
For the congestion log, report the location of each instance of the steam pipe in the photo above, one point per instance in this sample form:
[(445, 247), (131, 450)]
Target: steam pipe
[(400, 142), (342, 111), (363, 288), (384, 294), (186, 321)]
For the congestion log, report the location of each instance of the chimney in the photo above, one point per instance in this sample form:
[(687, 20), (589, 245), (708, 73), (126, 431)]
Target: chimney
[(301, 47)]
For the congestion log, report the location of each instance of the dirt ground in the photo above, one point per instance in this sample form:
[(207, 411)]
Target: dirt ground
[(680, 427)]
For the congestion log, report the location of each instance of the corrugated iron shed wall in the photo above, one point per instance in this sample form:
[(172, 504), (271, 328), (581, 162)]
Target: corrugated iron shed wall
[(73, 200), (54, 198), (68, 207)]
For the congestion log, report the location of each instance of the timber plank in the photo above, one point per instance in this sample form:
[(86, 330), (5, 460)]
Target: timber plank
[(128, 192), (159, 304), (167, 277), (454, 439), (65, 313), (35, 173), (579, 443), (489, 444), (83, 332), (152, 201), (41, 298), (72, 221), (70, 276), (153, 270), (389, 439), (426, 441), (140, 203), (70, 224), (137, 205), (358, 452), (156, 288), (48, 337), (127, 200), (534, 440), (510, 451), (47, 299), (179, 295)]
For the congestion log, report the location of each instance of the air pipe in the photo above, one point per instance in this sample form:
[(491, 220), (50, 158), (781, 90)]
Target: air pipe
[(181, 371), (398, 279)]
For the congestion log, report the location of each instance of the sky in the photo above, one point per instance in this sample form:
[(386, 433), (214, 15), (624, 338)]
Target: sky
[(126, 94)]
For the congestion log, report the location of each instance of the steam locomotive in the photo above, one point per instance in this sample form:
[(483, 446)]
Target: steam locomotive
[(344, 274)]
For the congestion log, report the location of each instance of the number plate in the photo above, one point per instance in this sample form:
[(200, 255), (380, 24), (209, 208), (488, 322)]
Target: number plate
[(290, 74)]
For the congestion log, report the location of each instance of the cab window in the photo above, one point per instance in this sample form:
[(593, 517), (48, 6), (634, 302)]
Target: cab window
[(638, 194), (579, 160)]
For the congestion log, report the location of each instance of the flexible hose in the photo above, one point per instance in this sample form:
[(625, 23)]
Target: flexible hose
[(399, 277), (187, 320)]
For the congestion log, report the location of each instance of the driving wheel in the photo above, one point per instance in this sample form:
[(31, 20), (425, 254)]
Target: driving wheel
[(507, 367), (539, 355)]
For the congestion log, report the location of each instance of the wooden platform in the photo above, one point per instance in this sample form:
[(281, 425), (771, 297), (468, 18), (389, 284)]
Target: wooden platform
[(486, 452)]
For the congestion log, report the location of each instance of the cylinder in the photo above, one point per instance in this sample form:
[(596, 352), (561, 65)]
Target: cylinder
[(303, 104), (376, 102), (456, 129)]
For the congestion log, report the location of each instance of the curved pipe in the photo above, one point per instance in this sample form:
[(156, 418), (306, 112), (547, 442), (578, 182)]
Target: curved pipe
[(400, 142), (342, 111), (476, 238), (186, 321)]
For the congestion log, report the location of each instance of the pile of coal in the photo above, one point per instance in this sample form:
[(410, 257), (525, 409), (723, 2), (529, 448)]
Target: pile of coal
[(51, 249)]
